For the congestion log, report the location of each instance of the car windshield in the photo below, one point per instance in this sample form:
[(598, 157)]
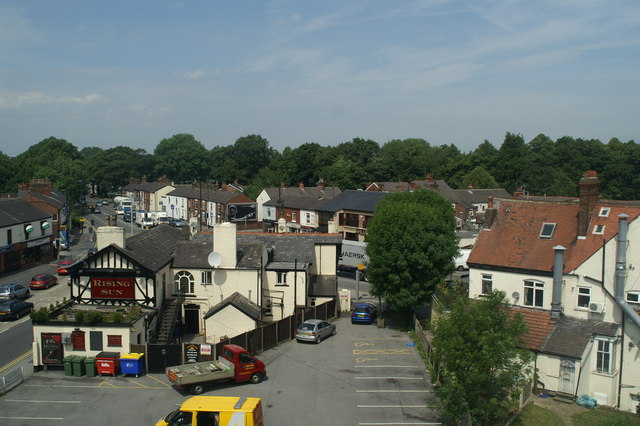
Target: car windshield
[(306, 326), (361, 309)]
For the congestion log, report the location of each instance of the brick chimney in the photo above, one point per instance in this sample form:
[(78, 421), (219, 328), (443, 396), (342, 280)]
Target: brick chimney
[(41, 186), (589, 194), (301, 185), (490, 202), (320, 184)]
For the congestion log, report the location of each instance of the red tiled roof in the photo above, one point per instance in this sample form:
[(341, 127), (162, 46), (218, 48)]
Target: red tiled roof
[(540, 326), (513, 241)]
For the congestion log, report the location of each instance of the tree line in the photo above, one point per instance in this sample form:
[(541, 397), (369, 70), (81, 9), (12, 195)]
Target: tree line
[(540, 166)]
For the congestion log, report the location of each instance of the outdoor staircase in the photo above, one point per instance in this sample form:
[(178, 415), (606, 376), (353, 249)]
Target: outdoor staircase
[(168, 321)]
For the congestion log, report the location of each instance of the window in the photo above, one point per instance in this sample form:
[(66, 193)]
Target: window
[(604, 212), (547, 230), (604, 355), (282, 278), (533, 293), (598, 229), (54, 217), (633, 297), (113, 340), (487, 283), (77, 337), (293, 216), (9, 237), (184, 282), (207, 277), (584, 297), (95, 340)]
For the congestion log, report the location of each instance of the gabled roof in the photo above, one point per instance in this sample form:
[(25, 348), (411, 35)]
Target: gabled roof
[(539, 325), (319, 193), (56, 199), (302, 203), (238, 301), (353, 200), (222, 197), (145, 186), (481, 196), (388, 187), (14, 211), (195, 254), (513, 239), (154, 248)]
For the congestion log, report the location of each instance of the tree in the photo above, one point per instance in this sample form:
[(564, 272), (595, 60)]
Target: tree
[(479, 348), (411, 247), (479, 178), (181, 158), (8, 182), (403, 160)]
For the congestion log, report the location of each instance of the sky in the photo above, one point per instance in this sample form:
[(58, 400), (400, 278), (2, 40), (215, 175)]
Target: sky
[(132, 73)]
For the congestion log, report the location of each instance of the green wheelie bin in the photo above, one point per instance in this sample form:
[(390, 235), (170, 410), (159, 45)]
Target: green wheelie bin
[(68, 365), (90, 366), (78, 366)]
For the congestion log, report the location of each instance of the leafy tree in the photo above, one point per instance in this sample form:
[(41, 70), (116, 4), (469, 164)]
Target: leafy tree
[(250, 154), (8, 182), (479, 178), (512, 162), (411, 246), (479, 348), (111, 169), (303, 163), (403, 160), (181, 158), (344, 173)]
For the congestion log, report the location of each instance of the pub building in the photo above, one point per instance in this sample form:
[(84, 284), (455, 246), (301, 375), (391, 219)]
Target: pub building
[(118, 297)]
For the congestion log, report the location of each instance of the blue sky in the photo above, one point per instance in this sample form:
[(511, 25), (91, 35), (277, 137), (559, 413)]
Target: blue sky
[(108, 73)]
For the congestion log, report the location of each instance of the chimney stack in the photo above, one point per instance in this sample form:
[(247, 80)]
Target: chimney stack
[(589, 194)]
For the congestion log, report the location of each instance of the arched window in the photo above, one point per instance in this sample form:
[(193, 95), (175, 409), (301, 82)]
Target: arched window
[(184, 282)]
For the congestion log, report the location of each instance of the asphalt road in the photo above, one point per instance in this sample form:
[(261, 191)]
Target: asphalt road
[(364, 375)]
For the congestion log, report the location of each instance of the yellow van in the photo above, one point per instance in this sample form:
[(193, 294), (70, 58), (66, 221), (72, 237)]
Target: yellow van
[(216, 411)]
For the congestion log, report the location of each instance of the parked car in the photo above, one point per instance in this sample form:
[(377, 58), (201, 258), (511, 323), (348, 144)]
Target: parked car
[(314, 330), (43, 281), (97, 210), (62, 267), (13, 291), (178, 223), (364, 312), (14, 309)]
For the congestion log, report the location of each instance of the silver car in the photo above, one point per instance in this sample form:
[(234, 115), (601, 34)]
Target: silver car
[(314, 330), (13, 291)]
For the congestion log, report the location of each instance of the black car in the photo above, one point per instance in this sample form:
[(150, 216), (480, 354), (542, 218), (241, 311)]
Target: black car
[(15, 309)]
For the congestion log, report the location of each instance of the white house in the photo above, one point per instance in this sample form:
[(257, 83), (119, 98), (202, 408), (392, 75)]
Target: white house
[(570, 267)]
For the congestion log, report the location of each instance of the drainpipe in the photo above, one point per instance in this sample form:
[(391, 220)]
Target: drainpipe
[(621, 269), (558, 267)]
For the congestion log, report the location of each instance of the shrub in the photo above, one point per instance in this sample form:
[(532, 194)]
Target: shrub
[(94, 317), (117, 317), (80, 316), (40, 316)]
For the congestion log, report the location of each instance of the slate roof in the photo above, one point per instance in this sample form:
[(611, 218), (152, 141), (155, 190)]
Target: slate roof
[(513, 240), (154, 248), (302, 203), (316, 192), (222, 197), (56, 199), (481, 196), (361, 201), (194, 254), (238, 301), (145, 186), (16, 211), (567, 337)]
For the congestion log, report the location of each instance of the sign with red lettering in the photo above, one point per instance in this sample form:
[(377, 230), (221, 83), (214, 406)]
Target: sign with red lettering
[(112, 288)]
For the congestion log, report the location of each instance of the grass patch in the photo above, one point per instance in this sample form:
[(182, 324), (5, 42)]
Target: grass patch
[(534, 415), (604, 416)]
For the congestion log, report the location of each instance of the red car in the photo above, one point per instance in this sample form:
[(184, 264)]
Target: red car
[(43, 281), (62, 268)]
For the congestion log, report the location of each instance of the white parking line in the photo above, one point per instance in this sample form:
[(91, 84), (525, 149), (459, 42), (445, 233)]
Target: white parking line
[(394, 391), (44, 402), (389, 377), (32, 418), (392, 406)]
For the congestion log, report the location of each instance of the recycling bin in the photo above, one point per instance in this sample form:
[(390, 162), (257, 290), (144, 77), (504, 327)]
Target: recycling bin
[(132, 363), (107, 363), (90, 366), (68, 365), (78, 366)]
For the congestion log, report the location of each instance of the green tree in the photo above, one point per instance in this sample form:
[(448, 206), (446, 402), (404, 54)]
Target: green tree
[(8, 182), (479, 348), (110, 169), (479, 178), (403, 160), (250, 154), (411, 246), (181, 158)]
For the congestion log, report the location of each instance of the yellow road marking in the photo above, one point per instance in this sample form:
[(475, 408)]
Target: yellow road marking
[(360, 360), (15, 361), (163, 383), (358, 344), (382, 352)]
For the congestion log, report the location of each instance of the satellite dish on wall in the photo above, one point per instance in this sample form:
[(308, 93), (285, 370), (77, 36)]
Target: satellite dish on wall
[(515, 295), (214, 259)]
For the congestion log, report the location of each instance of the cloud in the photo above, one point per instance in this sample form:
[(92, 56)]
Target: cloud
[(193, 75), (15, 101)]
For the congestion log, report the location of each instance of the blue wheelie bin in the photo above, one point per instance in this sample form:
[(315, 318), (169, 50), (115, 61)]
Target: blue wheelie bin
[(132, 363)]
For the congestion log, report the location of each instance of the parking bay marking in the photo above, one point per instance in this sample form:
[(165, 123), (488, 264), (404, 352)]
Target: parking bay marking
[(394, 391), (383, 351), (389, 377), (32, 418), (44, 402)]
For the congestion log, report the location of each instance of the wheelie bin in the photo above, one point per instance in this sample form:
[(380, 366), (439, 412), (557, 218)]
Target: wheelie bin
[(107, 363), (68, 365), (78, 366), (90, 366), (132, 363)]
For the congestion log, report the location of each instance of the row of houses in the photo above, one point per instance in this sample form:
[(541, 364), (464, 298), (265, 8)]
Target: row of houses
[(34, 223)]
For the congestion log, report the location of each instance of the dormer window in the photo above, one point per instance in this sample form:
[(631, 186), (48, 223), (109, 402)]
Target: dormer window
[(547, 230), (598, 229), (604, 212)]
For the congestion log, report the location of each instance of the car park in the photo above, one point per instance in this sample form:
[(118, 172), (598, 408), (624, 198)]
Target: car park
[(13, 291), (14, 309), (364, 313), (43, 281), (62, 267), (314, 330)]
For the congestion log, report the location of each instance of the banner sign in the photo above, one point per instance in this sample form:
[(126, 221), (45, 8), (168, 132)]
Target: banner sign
[(112, 288)]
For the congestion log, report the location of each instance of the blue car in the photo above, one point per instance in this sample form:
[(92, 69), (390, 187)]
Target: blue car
[(364, 312)]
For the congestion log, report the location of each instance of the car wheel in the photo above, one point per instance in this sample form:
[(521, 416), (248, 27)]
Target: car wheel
[(197, 389), (334, 331), (255, 378), (318, 339)]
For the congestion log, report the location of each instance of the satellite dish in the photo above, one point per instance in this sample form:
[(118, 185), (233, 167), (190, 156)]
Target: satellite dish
[(515, 295), (214, 259)]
